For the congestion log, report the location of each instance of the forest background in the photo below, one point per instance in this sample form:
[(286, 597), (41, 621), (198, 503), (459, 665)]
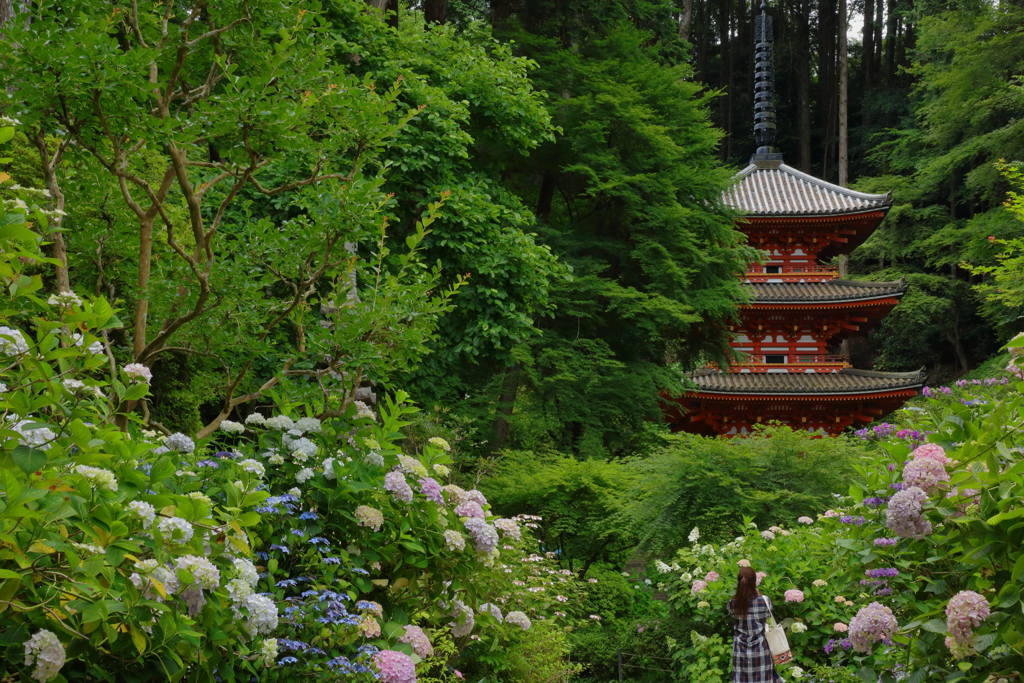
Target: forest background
[(554, 172)]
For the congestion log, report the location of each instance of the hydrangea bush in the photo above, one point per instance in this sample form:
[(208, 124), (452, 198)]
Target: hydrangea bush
[(121, 558), (915, 574)]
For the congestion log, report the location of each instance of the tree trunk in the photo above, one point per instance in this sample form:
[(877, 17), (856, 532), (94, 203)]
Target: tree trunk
[(435, 11), (843, 97), (501, 10), (6, 13), (685, 19), (890, 44), (393, 13), (547, 194), (868, 38), (49, 167), (803, 87), (827, 47), (879, 24), (725, 76), (506, 402), (701, 37)]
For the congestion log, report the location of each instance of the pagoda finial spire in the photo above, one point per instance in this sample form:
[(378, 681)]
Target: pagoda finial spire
[(764, 87)]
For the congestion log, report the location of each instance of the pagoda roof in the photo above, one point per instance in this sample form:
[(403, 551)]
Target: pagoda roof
[(771, 188), (833, 291), (846, 381)]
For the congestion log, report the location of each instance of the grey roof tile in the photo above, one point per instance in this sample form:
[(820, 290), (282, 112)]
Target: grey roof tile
[(846, 381), (775, 189), (833, 290)]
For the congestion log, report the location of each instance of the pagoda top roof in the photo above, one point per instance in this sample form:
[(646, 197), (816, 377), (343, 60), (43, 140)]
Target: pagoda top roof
[(771, 188), (846, 381), (832, 291)]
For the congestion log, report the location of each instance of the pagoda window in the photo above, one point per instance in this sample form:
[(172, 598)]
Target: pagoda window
[(772, 270), (776, 358)]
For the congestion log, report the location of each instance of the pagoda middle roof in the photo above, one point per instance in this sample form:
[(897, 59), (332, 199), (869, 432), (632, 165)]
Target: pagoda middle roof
[(846, 381), (771, 188), (832, 291)]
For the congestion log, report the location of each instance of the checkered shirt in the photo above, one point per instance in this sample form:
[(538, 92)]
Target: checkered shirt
[(751, 658)]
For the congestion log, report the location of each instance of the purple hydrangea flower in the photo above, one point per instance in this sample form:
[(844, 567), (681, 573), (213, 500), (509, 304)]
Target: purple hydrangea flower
[(904, 514), (432, 490), (872, 624), (965, 611)]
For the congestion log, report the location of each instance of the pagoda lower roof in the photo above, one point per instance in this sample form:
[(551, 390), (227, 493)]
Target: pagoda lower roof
[(832, 291), (846, 381), (771, 188)]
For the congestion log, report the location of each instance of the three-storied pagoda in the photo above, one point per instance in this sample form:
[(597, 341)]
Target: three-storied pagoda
[(792, 331)]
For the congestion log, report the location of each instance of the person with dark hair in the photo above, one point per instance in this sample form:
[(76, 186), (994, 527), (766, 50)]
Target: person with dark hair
[(751, 656)]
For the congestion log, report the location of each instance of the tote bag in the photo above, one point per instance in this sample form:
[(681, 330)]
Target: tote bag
[(776, 637)]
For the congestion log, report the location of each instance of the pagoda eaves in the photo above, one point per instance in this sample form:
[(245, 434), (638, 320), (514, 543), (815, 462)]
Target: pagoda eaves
[(792, 366)]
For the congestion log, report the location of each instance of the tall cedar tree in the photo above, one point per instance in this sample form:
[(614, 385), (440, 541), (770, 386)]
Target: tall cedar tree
[(630, 197)]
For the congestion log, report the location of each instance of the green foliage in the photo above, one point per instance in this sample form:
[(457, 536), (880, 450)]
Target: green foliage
[(971, 543), (631, 199), (124, 594), (776, 475), (578, 500), (707, 661), (940, 165)]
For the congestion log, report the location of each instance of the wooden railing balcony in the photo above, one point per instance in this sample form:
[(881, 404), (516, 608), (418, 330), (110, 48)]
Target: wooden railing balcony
[(791, 362), (792, 273)]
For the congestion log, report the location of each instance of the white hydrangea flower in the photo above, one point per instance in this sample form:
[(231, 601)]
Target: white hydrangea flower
[(144, 511), (255, 419), (440, 443), (44, 650), (412, 466), (268, 651), (374, 459), (276, 459), (694, 535), (262, 614), (253, 467), (230, 427), (246, 570), (12, 342), (78, 339), (138, 371), (328, 466), (87, 548), (295, 491), (205, 573), (308, 425), (238, 590), (519, 619), (364, 411), (152, 570), (98, 477), (442, 470), (301, 449), (3, 388), (176, 529), (65, 300), (40, 437), (200, 496), (282, 422), (180, 442), (304, 475)]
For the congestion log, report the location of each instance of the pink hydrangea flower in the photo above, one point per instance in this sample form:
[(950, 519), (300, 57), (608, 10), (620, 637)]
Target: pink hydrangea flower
[(759, 576), (871, 625), (470, 508), (744, 563), (831, 513), (931, 451), (805, 520), (712, 577), (415, 636), (399, 487), (904, 516), (926, 474), (394, 667), (794, 595), (965, 611), (840, 627), (698, 586), (432, 490)]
